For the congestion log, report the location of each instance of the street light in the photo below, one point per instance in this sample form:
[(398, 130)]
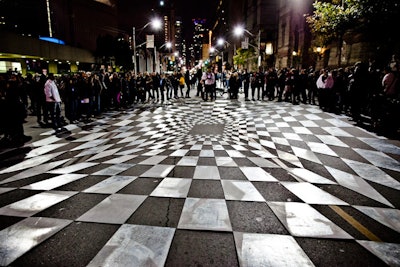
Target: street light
[(222, 42), (168, 45), (213, 50), (156, 23)]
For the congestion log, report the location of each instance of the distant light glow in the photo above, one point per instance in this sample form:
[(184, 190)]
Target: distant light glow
[(52, 40), (106, 2), (238, 31), (49, 17)]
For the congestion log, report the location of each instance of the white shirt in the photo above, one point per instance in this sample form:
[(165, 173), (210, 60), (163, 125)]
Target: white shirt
[(208, 78), (51, 91)]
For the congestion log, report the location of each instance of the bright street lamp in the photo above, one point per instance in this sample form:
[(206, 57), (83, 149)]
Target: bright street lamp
[(156, 24), (222, 42), (168, 45)]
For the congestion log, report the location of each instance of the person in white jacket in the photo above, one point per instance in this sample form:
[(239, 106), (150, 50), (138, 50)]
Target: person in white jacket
[(325, 84), (53, 102)]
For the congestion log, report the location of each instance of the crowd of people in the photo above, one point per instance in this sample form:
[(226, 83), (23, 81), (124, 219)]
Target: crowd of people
[(54, 100)]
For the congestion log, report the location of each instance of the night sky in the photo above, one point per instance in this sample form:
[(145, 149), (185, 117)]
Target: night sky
[(140, 12)]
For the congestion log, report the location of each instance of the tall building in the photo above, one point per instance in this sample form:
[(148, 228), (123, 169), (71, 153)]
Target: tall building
[(200, 37), (294, 42), (180, 53), (72, 26)]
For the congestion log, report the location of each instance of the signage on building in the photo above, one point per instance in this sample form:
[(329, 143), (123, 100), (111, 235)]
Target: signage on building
[(245, 43), (150, 41)]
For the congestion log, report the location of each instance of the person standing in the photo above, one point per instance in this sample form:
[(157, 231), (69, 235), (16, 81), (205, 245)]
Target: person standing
[(156, 85), (14, 112), (234, 83), (272, 80), (182, 83), (148, 86), (97, 89), (53, 102), (209, 81), (322, 95), (358, 90), (246, 84), (188, 83), (163, 86), (42, 112), (258, 84), (29, 85), (71, 100)]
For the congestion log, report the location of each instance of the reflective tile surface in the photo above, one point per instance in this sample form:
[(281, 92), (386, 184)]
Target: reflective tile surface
[(193, 183), (23, 236), (136, 245), (269, 250)]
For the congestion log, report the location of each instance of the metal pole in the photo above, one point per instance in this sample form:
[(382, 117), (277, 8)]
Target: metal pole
[(155, 59), (259, 48), (134, 50), (222, 58)]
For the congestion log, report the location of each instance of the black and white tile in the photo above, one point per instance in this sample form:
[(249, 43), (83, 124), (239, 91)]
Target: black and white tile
[(248, 184)]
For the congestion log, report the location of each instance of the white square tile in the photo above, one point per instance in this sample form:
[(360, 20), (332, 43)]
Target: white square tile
[(115, 209), (172, 187), (206, 172), (205, 214), (136, 245), (241, 191), (269, 250), (300, 219), (22, 236)]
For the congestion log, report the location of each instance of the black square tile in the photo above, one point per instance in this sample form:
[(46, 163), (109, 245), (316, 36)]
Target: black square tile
[(243, 162), (220, 153), (254, 217), (333, 252), (272, 191), (182, 172), (206, 189), (205, 161), (136, 170), (141, 186), (73, 207), (158, 211), (83, 183), (231, 173), (202, 248), (84, 241)]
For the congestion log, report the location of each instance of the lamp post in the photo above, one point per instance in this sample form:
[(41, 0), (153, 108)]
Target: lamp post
[(222, 42), (156, 23), (168, 45)]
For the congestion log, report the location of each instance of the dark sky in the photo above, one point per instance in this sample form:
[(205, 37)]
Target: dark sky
[(138, 13)]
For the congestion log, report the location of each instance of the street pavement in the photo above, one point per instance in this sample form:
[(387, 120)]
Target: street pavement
[(194, 183)]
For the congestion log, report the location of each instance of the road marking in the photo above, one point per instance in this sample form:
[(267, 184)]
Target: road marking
[(353, 222)]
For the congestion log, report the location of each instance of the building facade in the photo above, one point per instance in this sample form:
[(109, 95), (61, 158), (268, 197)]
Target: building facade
[(57, 35)]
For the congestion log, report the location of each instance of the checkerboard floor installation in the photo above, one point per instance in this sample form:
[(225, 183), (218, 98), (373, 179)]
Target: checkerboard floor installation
[(224, 183)]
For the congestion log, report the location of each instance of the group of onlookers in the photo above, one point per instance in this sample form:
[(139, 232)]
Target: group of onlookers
[(355, 91), (359, 91)]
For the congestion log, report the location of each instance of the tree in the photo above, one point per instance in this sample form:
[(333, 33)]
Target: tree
[(332, 19), (246, 57)]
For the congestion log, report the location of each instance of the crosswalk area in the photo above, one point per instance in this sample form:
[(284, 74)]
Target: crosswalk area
[(223, 183)]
